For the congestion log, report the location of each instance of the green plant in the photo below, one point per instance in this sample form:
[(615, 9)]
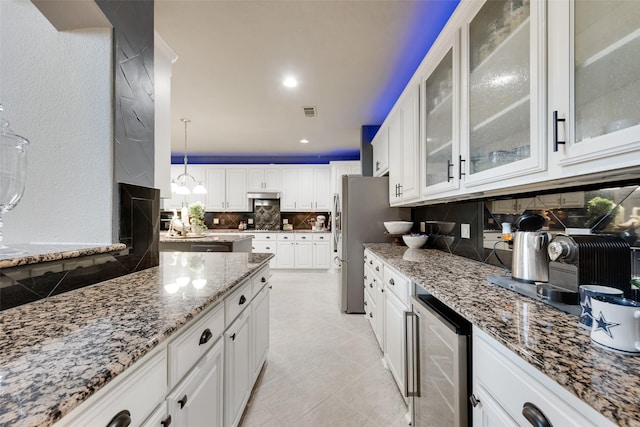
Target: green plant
[(598, 207), (196, 214)]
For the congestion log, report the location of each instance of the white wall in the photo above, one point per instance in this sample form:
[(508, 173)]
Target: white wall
[(56, 90)]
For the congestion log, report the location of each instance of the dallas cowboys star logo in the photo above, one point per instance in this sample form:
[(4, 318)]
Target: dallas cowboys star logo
[(603, 325), (586, 308)]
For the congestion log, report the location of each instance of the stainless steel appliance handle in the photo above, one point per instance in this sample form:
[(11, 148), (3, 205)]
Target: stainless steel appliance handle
[(412, 335)]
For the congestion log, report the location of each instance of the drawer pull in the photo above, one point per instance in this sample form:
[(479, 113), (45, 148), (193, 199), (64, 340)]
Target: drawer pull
[(263, 280), (371, 285), (268, 248), (474, 400), (365, 303), (166, 422), (270, 287), (377, 268), (122, 419), (233, 337), (371, 315), (391, 282), (365, 277), (242, 300), (183, 401), (206, 336), (534, 415), (371, 262)]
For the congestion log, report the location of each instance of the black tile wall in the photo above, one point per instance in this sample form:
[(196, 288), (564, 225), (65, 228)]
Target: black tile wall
[(133, 92)]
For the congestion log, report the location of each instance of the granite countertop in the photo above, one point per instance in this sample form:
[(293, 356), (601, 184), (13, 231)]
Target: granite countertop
[(59, 351), (41, 252), (550, 340), (207, 237)]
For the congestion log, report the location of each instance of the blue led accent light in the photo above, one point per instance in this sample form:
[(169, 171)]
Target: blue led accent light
[(265, 159), (429, 19)]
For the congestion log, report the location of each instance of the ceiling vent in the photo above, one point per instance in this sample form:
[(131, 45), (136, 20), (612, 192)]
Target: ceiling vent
[(310, 111)]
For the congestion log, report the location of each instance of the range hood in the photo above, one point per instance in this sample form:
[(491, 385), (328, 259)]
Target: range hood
[(265, 195)]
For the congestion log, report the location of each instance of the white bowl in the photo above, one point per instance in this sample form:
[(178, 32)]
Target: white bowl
[(398, 227), (414, 242)]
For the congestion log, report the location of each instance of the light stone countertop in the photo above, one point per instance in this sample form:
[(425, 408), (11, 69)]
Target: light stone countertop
[(42, 252), (553, 342), (56, 353)]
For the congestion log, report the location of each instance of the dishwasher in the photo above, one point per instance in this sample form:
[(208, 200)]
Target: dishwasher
[(438, 361)]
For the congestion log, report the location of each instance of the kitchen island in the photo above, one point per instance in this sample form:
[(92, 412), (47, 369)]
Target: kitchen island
[(548, 339), (207, 242), (56, 353)]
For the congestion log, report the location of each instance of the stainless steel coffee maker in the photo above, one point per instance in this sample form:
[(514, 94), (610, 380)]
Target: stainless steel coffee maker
[(530, 262)]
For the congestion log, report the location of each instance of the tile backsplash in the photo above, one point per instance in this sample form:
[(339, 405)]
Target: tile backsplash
[(575, 208)]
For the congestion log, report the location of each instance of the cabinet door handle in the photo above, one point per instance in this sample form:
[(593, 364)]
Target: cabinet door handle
[(535, 416), (242, 300), (449, 166), (206, 336), (399, 189), (371, 315), (392, 282), (460, 168), (183, 401), (365, 277), (166, 422), (233, 337), (474, 400), (365, 303), (371, 262), (556, 119), (377, 268), (371, 285), (377, 166), (121, 419)]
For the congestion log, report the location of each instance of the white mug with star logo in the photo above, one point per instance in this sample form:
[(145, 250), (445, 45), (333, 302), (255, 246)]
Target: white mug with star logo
[(588, 291), (616, 324)]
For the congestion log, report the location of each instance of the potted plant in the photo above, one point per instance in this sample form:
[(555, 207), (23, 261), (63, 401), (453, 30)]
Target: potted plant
[(196, 218)]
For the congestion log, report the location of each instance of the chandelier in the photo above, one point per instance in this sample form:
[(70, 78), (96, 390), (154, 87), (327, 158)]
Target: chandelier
[(179, 185)]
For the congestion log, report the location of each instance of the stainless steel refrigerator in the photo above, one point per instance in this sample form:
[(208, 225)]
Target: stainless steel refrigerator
[(364, 209)]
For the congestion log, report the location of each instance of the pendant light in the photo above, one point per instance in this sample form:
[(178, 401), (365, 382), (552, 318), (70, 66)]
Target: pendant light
[(179, 185)]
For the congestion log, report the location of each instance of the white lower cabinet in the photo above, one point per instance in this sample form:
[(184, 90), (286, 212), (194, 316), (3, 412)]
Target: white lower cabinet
[(237, 368), (303, 255), (260, 325), (322, 254), (394, 337), (202, 377), (303, 250), (131, 397), (198, 399), (507, 391)]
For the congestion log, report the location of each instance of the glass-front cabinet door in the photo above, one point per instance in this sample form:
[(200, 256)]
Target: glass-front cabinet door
[(440, 138), (503, 82), (594, 96)]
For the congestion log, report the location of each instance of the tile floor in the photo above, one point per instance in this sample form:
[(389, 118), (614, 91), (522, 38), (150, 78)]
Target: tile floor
[(324, 367)]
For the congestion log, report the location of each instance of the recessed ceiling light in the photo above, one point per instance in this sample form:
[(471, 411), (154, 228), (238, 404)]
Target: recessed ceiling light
[(304, 141), (290, 81)]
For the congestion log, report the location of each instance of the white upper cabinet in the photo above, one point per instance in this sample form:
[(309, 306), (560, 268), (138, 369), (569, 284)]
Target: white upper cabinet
[(440, 139), (226, 189), (404, 148), (503, 82), (322, 189), (264, 179), (306, 189), (380, 145), (594, 85)]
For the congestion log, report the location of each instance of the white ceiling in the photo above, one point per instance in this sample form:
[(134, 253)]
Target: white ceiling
[(232, 56)]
